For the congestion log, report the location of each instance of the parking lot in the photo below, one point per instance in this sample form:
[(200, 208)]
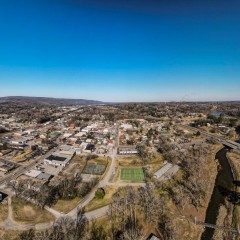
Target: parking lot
[(50, 169)]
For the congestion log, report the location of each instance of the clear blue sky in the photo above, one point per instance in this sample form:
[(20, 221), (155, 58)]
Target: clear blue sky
[(121, 50)]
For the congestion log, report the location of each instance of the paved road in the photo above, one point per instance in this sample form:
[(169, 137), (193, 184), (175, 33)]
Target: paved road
[(12, 225), (101, 184)]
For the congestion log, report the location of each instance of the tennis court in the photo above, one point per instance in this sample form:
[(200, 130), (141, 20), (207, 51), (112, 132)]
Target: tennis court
[(95, 169), (133, 174)]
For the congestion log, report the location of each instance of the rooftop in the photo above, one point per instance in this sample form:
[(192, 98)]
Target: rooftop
[(56, 158)]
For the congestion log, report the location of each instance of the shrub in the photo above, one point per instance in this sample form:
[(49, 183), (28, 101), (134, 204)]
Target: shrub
[(100, 193)]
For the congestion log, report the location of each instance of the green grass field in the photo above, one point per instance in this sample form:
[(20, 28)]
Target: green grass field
[(133, 174)]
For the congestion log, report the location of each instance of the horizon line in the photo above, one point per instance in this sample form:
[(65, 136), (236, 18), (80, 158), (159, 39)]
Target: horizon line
[(169, 101)]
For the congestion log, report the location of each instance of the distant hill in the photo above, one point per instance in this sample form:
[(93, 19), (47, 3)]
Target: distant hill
[(48, 101)]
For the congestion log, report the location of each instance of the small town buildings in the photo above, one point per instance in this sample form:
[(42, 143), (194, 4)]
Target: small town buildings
[(57, 160), (126, 126), (89, 148), (19, 141), (7, 166), (67, 135), (79, 135), (61, 157)]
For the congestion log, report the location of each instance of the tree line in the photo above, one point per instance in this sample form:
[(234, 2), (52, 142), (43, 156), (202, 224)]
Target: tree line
[(48, 195)]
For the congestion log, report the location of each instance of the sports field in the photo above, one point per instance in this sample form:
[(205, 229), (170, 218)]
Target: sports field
[(133, 174), (95, 169)]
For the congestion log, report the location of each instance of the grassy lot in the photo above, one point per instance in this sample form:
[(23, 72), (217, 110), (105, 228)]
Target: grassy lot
[(129, 161), (21, 157), (26, 212), (9, 235), (116, 176), (98, 203), (76, 165), (3, 211), (66, 206), (106, 169), (99, 160), (132, 174), (188, 230), (135, 160), (154, 167)]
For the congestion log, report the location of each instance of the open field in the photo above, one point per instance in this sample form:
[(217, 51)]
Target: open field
[(76, 165), (3, 211), (66, 206), (25, 212), (135, 160), (9, 235), (98, 203), (188, 230), (127, 161), (132, 174), (99, 160)]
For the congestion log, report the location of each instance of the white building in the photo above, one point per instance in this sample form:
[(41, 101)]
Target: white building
[(124, 150), (19, 141), (126, 126)]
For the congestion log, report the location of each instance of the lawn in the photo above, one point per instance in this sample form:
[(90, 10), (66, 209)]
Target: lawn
[(66, 206), (98, 203), (26, 212), (129, 161), (3, 211), (9, 234), (132, 174)]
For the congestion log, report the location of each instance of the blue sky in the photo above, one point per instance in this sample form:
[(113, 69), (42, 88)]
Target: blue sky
[(122, 50)]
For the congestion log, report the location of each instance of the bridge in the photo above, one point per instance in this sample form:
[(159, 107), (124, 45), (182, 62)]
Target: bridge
[(209, 225), (225, 142)]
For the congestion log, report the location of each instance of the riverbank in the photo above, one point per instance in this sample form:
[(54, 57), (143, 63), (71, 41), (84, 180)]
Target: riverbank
[(218, 205), (234, 158), (187, 229)]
